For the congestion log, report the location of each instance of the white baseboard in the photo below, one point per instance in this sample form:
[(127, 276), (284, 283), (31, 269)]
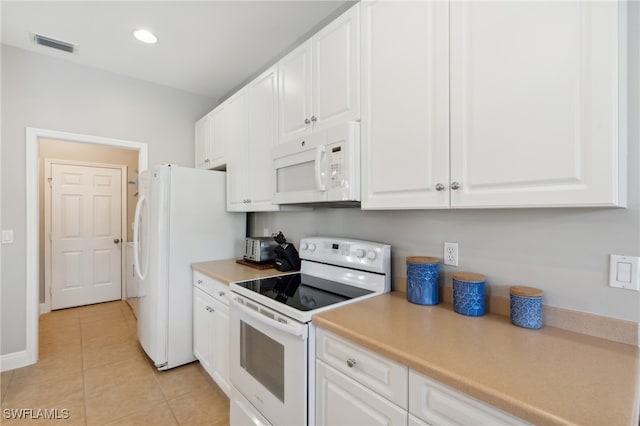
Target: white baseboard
[(44, 309), (15, 360)]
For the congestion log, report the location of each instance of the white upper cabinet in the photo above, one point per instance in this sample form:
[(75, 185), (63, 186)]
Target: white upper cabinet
[(405, 105), (210, 143), (237, 138), (319, 82), (535, 103), (252, 134), (528, 115)]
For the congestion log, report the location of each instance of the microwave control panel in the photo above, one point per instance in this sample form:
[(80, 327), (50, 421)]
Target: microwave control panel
[(337, 166)]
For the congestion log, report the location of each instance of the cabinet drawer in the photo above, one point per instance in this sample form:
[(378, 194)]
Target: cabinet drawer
[(213, 288), (438, 404), (380, 374)]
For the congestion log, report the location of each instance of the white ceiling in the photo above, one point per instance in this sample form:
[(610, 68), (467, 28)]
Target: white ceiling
[(204, 47)]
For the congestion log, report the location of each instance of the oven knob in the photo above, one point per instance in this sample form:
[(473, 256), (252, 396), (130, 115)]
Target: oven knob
[(360, 253), (371, 255), (304, 246), (312, 246)]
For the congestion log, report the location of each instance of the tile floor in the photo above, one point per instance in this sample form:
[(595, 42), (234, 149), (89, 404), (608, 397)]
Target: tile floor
[(92, 365)]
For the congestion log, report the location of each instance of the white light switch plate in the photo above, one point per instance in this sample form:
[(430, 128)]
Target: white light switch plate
[(7, 236), (624, 272)]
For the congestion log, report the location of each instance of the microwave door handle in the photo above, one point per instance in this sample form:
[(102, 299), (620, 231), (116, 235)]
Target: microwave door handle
[(319, 153), (292, 330)]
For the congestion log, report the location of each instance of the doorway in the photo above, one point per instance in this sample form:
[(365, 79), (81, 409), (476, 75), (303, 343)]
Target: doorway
[(64, 152), (33, 177)]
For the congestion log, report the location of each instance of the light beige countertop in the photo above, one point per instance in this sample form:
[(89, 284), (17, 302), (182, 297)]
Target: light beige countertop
[(546, 376), (227, 271)]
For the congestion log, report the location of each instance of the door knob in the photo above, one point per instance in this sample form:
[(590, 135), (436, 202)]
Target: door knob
[(117, 240)]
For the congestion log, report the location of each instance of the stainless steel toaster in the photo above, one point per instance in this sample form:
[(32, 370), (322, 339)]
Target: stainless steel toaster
[(259, 249)]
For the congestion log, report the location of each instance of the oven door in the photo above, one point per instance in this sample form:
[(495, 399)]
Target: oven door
[(268, 361)]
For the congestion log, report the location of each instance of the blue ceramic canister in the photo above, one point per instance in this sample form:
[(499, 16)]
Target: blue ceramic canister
[(422, 280), (468, 293), (526, 306)]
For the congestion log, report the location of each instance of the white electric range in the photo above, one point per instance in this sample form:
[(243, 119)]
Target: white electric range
[(272, 345)]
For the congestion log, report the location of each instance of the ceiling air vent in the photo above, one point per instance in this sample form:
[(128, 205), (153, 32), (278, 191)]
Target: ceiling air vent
[(53, 43)]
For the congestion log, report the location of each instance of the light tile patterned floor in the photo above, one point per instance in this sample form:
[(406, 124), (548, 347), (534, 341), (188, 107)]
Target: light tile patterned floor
[(92, 365)]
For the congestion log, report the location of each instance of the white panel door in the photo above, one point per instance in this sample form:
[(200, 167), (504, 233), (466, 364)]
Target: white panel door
[(336, 71), (534, 103), (294, 93), (86, 216), (405, 105)]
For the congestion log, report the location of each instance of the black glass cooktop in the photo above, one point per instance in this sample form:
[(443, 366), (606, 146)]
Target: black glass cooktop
[(303, 292)]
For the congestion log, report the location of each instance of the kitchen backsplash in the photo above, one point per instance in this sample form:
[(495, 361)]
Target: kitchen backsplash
[(563, 252)]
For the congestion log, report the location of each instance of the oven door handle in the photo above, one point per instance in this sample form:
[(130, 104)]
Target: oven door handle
[(300, 331)]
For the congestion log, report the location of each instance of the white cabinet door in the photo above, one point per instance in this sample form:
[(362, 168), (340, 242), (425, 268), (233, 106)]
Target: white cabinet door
[(201, 140), (251, 133), (263, 101), (336, 71), (220, 370), (341, 401), (405, 105), (202, 337), (535, 103), (294, 92), (217, 143), (237, 139), (318, 82), (210, 140)]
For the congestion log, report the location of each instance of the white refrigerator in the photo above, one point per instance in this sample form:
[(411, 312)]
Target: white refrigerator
[(180, 219)]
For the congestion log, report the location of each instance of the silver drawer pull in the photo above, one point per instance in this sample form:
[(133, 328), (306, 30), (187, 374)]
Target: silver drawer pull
[(199, 281), (351, 362), (221, 293)]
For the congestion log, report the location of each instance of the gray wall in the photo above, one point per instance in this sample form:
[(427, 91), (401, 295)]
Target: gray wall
[(562, 251), (49, 93)]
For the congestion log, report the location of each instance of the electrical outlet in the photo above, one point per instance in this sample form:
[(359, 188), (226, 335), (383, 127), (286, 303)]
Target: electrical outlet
[(451, 254)]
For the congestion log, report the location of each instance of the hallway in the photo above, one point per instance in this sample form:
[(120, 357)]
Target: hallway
[(92, 371)]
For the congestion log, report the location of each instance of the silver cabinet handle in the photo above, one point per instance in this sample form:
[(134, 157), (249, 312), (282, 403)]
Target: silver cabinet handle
[(439, 187), (307, 121), (116, 241), (206, 160), (351, 362), (221, 293), (210, 309), (455, 185), (313, 118), (199, 281)]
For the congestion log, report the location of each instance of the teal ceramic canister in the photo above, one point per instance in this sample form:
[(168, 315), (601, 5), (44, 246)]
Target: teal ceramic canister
[(422, 280)]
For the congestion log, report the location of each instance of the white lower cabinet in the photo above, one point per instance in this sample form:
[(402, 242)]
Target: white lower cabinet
[(211, 328), (355, 386), (341, 401), (438, 404)]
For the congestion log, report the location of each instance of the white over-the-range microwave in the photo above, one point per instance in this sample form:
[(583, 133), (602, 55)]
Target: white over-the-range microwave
[(322, 167)]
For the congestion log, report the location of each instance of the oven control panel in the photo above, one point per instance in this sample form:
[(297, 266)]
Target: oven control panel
[(366, 255)]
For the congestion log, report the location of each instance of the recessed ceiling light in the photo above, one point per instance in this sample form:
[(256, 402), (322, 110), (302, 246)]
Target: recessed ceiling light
[(145, 36)]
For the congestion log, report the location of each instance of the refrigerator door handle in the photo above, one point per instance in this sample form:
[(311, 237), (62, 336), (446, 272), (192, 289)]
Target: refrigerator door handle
[(136, 240)]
